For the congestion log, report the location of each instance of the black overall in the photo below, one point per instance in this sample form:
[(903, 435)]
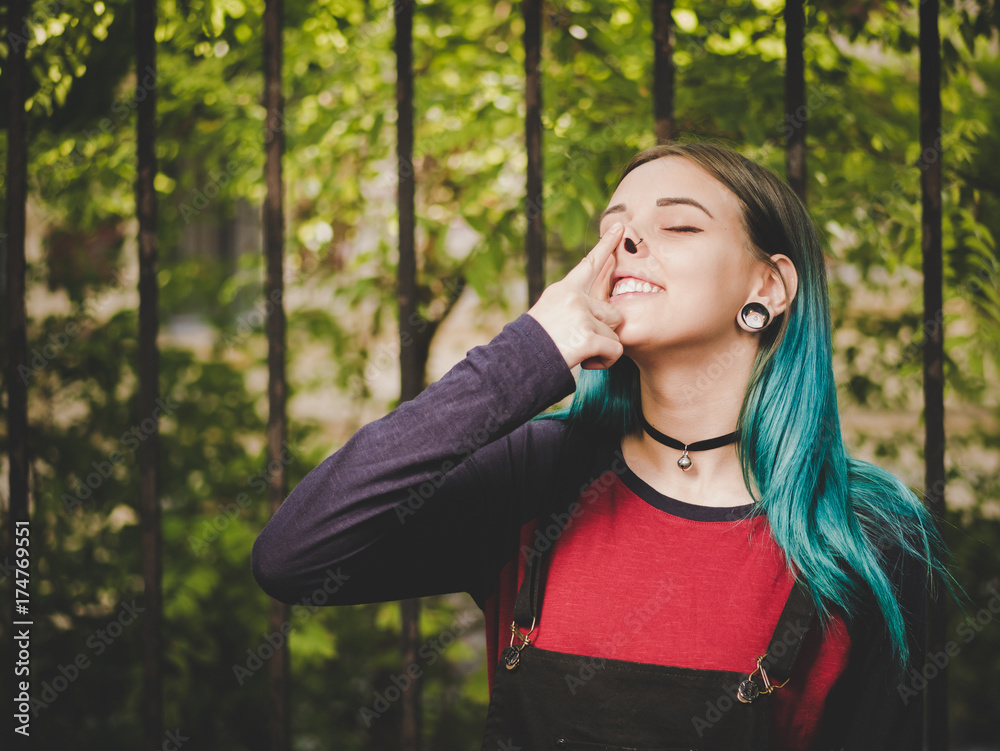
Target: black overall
[(540, 702)]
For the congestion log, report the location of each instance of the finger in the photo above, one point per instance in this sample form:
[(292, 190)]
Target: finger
[(608, 353), (601, 288), (604, 344), (606, 313), (585, 273)]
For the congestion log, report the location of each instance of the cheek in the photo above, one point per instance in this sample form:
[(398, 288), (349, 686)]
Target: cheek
[(704, 281)]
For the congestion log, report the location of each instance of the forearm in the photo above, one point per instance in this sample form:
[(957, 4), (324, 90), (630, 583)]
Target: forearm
[(403, 488)]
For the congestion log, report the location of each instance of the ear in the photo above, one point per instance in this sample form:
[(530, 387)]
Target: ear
[(775, 285)]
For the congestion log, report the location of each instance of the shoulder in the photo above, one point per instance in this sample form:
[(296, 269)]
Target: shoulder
[(546, 452)]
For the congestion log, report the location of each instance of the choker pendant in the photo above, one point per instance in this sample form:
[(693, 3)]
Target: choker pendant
[(685, 462)]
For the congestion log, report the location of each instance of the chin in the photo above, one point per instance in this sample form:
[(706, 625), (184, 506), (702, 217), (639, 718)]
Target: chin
[(639, 342), (645, 342)]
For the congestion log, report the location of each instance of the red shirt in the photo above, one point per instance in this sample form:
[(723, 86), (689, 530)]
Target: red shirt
[(635, 575)]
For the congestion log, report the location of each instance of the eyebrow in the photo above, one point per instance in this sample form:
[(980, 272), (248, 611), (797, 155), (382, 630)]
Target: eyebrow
[(619, 207)]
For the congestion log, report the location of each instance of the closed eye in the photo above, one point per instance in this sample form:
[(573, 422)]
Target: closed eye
[(683, 229)]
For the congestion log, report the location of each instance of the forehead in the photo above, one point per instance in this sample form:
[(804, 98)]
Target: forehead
[(676, 177)]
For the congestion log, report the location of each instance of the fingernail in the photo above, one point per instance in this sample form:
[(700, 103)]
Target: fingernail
[(616, 226)]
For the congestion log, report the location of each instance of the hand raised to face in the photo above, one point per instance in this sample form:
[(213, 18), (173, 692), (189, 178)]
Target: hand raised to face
[(576, 313)]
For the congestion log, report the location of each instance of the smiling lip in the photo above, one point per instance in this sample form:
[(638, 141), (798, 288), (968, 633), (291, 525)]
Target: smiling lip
[(628, 284)]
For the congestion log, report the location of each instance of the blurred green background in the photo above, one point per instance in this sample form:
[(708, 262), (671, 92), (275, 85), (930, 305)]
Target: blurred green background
[(340, 172)]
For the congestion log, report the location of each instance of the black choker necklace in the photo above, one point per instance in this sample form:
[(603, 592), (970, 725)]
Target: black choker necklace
[(685, 461)]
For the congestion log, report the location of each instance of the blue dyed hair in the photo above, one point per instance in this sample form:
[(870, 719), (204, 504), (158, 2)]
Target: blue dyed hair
[(840, 521)]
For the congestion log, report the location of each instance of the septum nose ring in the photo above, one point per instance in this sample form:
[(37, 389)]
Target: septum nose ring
[(632, 247)]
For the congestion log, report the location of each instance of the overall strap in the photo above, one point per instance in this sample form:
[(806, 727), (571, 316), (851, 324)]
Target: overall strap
[(527, 606), (790, 633)]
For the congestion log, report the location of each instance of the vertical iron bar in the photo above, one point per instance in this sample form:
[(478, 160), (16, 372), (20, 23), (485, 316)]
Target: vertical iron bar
[(795, 97), (663, 69), (535, 237), (274, 252), (411, 364), (936, 725), (149, 373)]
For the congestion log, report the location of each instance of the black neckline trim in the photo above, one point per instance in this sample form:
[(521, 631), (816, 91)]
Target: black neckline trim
[(691, 511)]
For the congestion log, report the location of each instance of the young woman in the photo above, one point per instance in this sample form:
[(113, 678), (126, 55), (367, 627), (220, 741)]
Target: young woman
[(687, 557)]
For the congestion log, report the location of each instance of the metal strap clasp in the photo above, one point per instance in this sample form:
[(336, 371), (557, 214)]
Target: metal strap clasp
[(515, 631), (512, 654), (749, 690)]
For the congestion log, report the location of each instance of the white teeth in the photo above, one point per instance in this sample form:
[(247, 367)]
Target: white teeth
[(630, 284)]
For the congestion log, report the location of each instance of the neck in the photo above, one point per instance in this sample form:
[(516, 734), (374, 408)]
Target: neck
[(692, 396)]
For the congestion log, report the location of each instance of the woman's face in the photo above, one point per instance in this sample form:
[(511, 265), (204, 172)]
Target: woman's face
[(692, 258)]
